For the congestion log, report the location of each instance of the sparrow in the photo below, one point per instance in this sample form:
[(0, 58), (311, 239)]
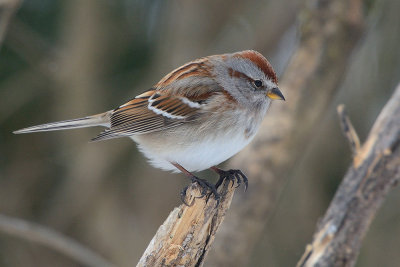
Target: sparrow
[(194, 118)]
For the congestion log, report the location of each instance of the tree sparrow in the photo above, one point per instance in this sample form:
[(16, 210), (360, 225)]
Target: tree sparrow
[(196, 117)]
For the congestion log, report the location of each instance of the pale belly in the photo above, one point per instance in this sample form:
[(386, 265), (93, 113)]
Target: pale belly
[(197, 147), (193, 155)]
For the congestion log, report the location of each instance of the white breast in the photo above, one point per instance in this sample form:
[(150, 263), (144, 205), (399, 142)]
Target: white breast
[(197, 147), (197, 156)]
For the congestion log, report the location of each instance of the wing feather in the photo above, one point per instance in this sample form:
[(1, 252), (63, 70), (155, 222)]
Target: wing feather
[(165, 106), (148, 112)]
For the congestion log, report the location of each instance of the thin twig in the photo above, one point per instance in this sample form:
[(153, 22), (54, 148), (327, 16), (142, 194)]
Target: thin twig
[(51, 239), (348, 130)]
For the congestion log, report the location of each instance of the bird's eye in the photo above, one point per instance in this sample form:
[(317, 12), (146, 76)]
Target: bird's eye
[(258, 83)]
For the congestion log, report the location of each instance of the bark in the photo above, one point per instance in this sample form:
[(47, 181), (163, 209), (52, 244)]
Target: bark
[(185, 237), (374, 171), (329, 32)]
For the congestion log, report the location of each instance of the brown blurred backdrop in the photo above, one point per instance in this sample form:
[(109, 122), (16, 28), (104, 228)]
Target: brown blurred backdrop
[(66, 59)]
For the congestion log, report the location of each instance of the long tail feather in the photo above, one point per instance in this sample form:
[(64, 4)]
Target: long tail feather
[(102, 119)]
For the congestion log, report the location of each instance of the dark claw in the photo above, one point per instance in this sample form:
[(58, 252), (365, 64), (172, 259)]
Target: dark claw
[(232, 175), (245, 180), (205, 188), (183, 197), (238, 180), (205, 185)]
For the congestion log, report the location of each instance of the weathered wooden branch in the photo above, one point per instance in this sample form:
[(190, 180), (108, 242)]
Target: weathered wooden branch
[(375, 170), (329, 30), (185, 237)]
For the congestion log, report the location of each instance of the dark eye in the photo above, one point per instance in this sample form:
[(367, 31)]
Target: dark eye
[(258, 83)]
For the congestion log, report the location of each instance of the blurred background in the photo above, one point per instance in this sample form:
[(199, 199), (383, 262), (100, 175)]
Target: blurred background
[(67, 59)]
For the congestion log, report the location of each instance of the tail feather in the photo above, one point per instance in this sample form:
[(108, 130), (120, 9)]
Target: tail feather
[(102, 119)]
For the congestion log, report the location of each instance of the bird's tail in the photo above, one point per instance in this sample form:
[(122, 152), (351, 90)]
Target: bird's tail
[(102, 119)]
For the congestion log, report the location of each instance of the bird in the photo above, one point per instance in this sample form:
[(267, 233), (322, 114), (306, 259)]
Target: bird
[(196, 117)]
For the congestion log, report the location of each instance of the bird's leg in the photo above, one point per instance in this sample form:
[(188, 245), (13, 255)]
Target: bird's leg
[(204, 184), (232, 175)]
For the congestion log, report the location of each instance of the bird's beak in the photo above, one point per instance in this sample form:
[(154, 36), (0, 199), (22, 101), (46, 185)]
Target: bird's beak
[(275, 94)]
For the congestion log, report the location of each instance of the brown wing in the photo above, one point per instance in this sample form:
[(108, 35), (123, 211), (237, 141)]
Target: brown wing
[(149, 112), (165, 106)]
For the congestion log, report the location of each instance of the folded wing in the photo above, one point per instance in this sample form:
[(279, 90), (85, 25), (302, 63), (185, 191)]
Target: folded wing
[(152, 111)]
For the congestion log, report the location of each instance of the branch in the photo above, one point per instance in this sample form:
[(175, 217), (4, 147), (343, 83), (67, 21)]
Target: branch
[(51, 239), (185, 237), (375, 171)]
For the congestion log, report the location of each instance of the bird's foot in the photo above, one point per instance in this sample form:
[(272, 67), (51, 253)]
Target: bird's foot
[(206, 188), (231, 175)]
